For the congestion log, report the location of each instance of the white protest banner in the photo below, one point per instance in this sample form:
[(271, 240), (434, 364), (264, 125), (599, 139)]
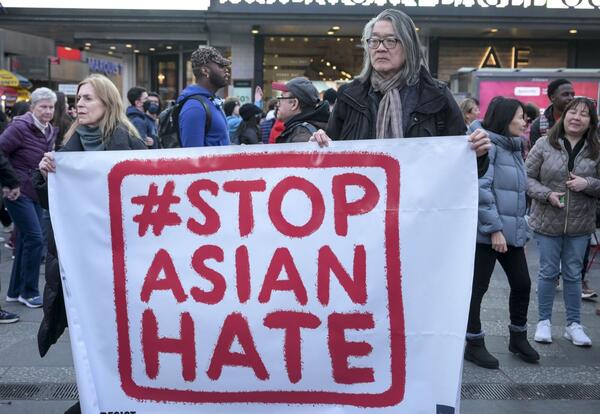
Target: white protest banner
[(257, 279)]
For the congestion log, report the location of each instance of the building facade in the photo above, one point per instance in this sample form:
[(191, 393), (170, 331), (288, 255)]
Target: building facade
[(275, 40)]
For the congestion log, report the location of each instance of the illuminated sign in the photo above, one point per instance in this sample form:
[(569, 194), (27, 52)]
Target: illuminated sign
[(547, 4), (519, 58), (203, 5), (105, 67), (111, 4)]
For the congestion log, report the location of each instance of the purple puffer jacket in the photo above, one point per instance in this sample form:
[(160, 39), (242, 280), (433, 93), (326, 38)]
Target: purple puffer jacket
[(24, 145)]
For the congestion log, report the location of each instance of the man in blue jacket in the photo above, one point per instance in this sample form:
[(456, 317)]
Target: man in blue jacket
[(143, 122), (212, 72)]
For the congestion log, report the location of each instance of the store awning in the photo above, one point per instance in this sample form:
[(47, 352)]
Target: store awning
[(9, 79), (14, 80), (24, 83)]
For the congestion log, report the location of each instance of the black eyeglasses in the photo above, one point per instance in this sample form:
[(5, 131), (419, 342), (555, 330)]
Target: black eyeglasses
[(279, 98), (220, 65), (388, 42)]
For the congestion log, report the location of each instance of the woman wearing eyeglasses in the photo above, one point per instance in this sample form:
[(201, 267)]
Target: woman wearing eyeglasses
[(395, 96), (564, 184)]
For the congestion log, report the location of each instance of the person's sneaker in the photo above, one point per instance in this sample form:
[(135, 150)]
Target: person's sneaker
[(587, 292), (8, 317), (11, 299), (34, 302), (543, 332), (575, 334)]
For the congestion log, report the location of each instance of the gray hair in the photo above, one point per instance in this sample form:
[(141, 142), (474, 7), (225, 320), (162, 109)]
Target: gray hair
[(406, 32), (42, 94)]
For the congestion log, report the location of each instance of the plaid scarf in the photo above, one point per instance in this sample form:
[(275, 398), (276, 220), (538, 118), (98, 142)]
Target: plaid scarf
[(389, 113)]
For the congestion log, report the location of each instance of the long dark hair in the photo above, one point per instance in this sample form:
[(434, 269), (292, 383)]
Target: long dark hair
[(590, 136), (500, 114), (61, 119)]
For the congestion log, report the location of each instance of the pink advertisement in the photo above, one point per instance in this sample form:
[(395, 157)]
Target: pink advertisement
[(529, 91)]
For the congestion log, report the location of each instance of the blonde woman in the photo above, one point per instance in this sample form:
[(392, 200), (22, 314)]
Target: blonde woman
[(470, 110), (101, 125), (101, 122)]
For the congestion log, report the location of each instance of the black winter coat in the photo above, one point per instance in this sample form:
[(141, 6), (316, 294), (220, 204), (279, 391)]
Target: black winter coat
[(8, 177), (55, 317), (297, 128), (250, 135), (436, 113), (536, 131)]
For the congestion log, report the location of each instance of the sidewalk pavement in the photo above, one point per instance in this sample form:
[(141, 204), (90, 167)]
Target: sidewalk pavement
[(565, 381)]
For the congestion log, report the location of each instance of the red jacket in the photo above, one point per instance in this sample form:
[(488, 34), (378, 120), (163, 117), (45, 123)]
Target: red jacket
[(277, 129)]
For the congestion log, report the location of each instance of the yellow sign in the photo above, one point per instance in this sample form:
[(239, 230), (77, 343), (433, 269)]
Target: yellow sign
[(23, 95), (8, 79)]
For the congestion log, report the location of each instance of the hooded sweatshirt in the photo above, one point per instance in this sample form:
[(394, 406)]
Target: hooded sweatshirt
[(192, 120), (144, 123)]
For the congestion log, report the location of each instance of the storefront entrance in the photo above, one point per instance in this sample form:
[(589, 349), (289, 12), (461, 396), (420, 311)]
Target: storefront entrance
[(326, 61)]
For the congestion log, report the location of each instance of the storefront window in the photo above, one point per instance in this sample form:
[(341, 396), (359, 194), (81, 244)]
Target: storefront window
[(165, 76), (501, 54), (326, 61), (142, 71)]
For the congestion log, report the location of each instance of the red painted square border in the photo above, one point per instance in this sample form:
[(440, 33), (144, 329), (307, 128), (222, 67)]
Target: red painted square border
[(315, 160)]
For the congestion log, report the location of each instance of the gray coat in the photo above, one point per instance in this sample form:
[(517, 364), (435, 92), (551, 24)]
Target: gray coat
[(547, 171), (502, 190)]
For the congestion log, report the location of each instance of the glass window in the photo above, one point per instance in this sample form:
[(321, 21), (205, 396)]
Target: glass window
[(165, 76), (327, 61)]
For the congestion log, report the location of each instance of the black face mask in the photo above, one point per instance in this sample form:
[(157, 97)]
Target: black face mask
[(151, 107)]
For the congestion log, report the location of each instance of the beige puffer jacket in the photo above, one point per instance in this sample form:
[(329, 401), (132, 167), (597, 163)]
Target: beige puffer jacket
[(547, 171)]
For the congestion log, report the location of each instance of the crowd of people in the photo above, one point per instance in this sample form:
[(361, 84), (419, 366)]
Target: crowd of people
[(538, 173), (543, 182)]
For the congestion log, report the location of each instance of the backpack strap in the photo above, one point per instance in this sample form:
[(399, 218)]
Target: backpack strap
[(208, 114), (311, 128), (544, 124)]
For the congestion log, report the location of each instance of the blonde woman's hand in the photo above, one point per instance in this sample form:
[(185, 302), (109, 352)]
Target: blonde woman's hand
[(321, 138), (576, 183), (11, 193), (499, 242), (47, 164), (480, 142)]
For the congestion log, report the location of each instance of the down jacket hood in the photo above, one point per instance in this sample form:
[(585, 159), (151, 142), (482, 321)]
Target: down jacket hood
[(502, 189)]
